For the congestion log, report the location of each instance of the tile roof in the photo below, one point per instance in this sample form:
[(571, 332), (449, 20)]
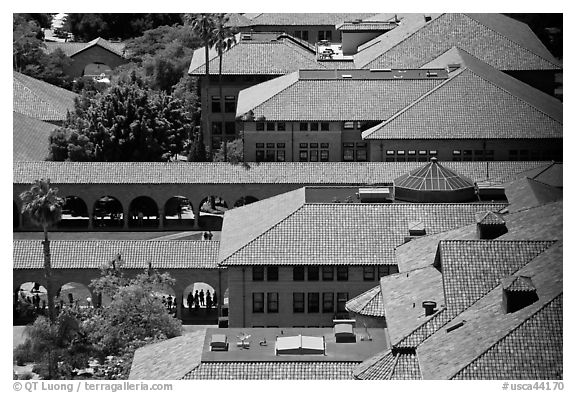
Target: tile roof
[(334, 99), (176, 357), (532, 351), (277, 57), (471, 269), (444, 354), (336, 173), (71, 49), (272, 370), (390, 366), (30, 138), (92, 254), (525, 193), (366, 25), (368, 303), (41, 100), (323, 233), (550, 174), (477, 101), (305, 19), (495, 39)]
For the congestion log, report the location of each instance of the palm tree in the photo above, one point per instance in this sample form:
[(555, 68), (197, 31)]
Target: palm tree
[(203, 27), (223, 38), (44, 208)]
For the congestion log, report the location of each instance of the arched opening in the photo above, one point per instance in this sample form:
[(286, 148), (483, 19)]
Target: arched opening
[(30, 300), (15, 216), (108, 213), (74, 213), (245, 200), (212, 209), (178, 212), (74, 295), (199, 304), (143, 213)]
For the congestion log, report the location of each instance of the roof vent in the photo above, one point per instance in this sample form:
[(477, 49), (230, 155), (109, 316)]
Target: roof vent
[(431, 74), (427, 18), (346, 76), (490, 225), (300, 345), (518, 292), (344, 332), (218, 342), (380, 69), (416, 228), (375, 195), (454, 327), (429, 307)]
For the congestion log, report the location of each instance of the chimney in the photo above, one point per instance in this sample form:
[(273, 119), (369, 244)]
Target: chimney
[(490, 225), (427, 18), (517, 292), (429, 307)]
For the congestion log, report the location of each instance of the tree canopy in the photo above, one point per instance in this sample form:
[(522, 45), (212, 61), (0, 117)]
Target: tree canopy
[(127, 122)]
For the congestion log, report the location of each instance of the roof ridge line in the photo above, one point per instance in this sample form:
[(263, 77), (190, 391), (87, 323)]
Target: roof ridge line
[(542, 183), (546, 304), (509, 39), (543, 170), (409, 106), (393, 368), (263, 233), (510, 93), (403, 39)]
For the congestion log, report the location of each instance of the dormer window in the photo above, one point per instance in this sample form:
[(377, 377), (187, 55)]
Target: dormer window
[(490, 225), (518, 292)]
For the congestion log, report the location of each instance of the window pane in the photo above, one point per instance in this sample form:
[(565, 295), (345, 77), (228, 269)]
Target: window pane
[(258, 302), (348, 154), (257, 273), (348, 125), (324, 145), (361, 155), (272, 273), (259, 146), (313, 126), (342, 273), (272, 302), (341, 299), (324, 126), (230, 104), (298, 302), (324, 155), (298, 273), (327, 273), (303, 155), (270, 126), (270, 155), (281, 155), (369, 273), (327, 302), (260, 126), (215, 107), (282, 126), (313, 273), (303, 126), (259, 155), (217, 128), (314, 155), (230, 128), (313, 302)]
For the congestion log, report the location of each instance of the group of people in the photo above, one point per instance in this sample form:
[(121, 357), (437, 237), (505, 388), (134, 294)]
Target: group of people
[(170, 303), (200, 300), (207, 236)]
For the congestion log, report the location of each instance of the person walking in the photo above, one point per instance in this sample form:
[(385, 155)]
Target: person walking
[(190, 300), (215, 300), (196, 299), (169, 302), (208, 300), (201, 297)]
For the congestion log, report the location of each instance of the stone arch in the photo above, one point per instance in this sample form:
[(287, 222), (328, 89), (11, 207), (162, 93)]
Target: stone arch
[(108, 213), (245, 200), (199, 286), (143, 213), (74, 213), (74, 294), (30, 300), (178, 212), (211, 212), (15, 216)]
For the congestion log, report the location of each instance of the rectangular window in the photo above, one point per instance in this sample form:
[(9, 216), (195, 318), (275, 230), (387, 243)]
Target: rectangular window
[(257, 273), (324, 35), (259, 155), (422, 152), (369, 273), (327, 273), (260, 126), (314, 155), (327, 302), (270, 145), (215, 107), (341, 299), (259, 146), (385, 270), (348, 154), (298, 302), (389, 152), (272, 302), (272, 273), (303, 126), (361, 155), (401, 152), (217, 128), (305, 35), (324, 145), (298, 273), (270, 126), (313, 146), (433, 153), (270, 155), (313, 126), (467, 155), (230, 128), (303, 155), (303, 146), (258, 302), (313, 302), (229, 104), (324, 155), (281, 126), (281, 145), (313, 273), (411, 152), (281, 155), (324, 126), (456, 152), (342, 273), (348, 125)]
